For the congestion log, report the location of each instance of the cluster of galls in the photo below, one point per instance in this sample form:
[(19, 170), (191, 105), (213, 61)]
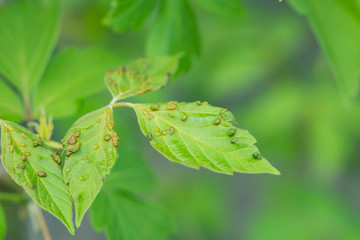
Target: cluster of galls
[(164, 132), (25, 155), (74, 146), (174, 106), (114, 138), (142, 78), (56, 158)]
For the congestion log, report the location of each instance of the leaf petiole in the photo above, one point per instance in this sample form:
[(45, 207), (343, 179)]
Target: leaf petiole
[(122, 104)]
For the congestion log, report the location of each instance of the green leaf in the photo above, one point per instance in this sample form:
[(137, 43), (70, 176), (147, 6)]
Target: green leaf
[(340, 44), (197, 134), (73, 74), (2, 223), (125, 14), (131, 172), (224, 8), (10, 105), (174, 31), (29, 30), (141, 76), (29, 161), (91, 151), (122, 214)]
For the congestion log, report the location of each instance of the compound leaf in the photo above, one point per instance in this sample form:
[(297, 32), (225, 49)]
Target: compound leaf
[(141, 76), (34, 166), (29, 30), (91, 151), (2, 223), (121, 213), (197, 134), (10, 105), (125, 14), (174, 31), (224, 8), (340, 44), (73, 74)]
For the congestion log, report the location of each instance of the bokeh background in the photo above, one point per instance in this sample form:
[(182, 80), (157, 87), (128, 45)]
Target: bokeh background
[(266, 66)]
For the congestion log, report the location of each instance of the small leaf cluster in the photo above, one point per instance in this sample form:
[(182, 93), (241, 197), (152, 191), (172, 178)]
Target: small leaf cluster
[(194, 134), (59, 176)]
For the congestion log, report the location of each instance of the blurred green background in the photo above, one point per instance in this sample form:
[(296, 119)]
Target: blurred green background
[(266, 66)]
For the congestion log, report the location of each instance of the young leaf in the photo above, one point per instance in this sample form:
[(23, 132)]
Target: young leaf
[(224, 8), (31, 164), (73, 74), (128, 14), (2, 223), (10, 105), (91, 151), (122, 214), (141, 76), (197, 134), (29, 30), (340, 44), (174, 31)]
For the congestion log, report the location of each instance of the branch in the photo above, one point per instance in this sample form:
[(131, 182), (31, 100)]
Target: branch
[(44, 227)]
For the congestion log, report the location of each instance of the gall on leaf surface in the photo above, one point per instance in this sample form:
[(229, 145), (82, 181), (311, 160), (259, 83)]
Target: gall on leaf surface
[(90, 147), (141, 76), (121, 211), (198, 134), (31, 164)]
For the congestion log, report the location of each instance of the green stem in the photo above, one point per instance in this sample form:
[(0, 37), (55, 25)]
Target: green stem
[(12, 197), (29, 117)]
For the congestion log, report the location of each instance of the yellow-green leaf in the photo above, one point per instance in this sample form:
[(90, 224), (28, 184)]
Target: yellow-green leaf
[(141, 76), (90, 146), (30, 163), (197, 134)]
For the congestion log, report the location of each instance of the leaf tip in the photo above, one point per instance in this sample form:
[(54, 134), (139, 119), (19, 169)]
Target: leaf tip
[(71, 229), (274, 171), (79, 217)]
